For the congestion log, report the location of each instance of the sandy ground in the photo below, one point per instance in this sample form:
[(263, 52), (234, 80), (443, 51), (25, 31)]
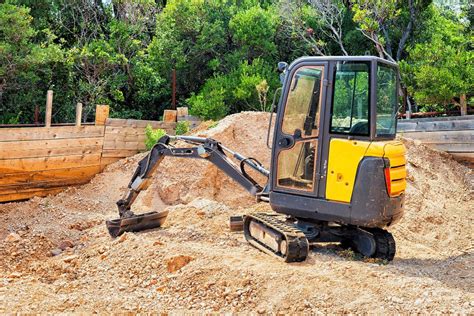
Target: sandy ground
[(56, 255)]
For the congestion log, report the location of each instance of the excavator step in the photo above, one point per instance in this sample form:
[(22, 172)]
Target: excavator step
[(136, 223), (274, 235)]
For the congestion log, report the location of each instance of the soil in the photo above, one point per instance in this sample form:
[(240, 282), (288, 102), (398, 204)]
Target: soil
[(56, 255)]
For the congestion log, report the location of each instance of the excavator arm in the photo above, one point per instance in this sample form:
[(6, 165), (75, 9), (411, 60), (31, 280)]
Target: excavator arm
[(204, 148)]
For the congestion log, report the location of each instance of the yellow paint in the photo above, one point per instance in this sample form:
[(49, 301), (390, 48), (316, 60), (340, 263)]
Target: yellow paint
[(345, 156)]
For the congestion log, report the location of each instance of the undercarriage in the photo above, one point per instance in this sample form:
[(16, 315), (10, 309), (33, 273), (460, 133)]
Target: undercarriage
[(289, 238)]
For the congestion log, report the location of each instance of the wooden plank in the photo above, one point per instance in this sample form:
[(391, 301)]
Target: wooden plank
[(139, 123), (124, 139), (101, 114), (60, 132), (453, 147), (48, 163), (43, 175), (124, 145), (442, 136), (129, 131), (430, 126), (439, 118), (50, 144), (122, 153), (53, 152)]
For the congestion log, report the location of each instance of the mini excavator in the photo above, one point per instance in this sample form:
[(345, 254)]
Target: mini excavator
[(337, 174)]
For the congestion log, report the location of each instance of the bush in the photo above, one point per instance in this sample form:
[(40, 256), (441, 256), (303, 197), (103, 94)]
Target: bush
[(209, 104), (152, 136), (182, 127)]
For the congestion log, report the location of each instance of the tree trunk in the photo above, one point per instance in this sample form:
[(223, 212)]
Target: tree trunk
[(463, 104)]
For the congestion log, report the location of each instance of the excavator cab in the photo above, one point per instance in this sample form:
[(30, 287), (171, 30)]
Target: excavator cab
[(337, 173), (335, 115)]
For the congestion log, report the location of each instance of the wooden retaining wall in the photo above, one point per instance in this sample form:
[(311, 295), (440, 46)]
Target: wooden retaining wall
[(454, 135), (37, 161), (125, 138)]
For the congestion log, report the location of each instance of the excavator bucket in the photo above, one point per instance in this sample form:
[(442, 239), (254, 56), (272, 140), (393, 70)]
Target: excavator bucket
[(136, 223)]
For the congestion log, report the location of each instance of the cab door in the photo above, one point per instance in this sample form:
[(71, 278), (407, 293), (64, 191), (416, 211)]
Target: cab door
[(297, 144)]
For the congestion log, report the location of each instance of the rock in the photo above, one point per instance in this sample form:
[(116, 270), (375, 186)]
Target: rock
[(69, 258), (123, 238), (63, 245), (56, 252), (176, 263), (13, 237), (15, 275)]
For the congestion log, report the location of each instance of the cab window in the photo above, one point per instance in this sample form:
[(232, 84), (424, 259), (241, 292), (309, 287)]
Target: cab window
[(350, 108), (387, 101)]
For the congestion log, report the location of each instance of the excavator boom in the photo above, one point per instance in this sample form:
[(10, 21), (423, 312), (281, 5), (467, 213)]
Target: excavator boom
[(204, 148)]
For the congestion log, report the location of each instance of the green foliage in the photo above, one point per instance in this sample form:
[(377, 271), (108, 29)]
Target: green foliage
[(254, 30), (122, 53), (209, 104), (182, 127), (441, 68), (152, 136)]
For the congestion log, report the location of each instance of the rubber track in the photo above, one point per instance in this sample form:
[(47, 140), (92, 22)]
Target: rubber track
[(385, 242), (297, 244)]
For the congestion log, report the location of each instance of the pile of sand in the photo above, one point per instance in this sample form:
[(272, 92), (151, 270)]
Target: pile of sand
[(195, 263)]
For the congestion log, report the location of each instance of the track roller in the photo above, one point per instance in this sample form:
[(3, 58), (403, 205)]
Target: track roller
[(372, 243), (272, 234)]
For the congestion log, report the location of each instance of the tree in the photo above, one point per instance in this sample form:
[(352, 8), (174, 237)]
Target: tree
[(26, 68), (440, 70)]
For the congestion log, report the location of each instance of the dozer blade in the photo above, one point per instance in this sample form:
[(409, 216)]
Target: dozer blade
[(136, 223)]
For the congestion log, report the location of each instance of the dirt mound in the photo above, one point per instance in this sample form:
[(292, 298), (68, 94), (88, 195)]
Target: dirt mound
[(439, 217), (56, 255), (181, 180)]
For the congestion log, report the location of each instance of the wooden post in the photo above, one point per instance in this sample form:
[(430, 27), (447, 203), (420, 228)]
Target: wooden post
[(37, 114), (170, 115), (49, 108), (173, 83), (78, 113), (182, 111), (101, 114)]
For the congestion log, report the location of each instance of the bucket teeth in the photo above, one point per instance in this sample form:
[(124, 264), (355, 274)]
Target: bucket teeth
[(136, 223)]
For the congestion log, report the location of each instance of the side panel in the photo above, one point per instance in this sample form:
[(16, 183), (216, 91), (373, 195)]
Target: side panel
[(344, 158)]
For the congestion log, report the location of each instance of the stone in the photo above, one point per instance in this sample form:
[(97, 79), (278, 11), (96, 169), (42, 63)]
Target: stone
[(56, 252), (63, 245), (13, 237), (176, 263)]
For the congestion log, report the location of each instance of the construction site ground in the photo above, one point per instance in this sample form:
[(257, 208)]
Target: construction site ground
[(56, 254)]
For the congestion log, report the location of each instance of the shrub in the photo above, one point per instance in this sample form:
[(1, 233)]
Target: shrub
[(152, 136), (182, 127), (209, 104)]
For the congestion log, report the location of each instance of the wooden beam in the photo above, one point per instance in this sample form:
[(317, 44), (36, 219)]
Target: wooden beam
[(49, 108), (23, 178), (170, 115), (442, 136), (59, 132), (101, 114), (140, 123), (47, 163), (78, 114)]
